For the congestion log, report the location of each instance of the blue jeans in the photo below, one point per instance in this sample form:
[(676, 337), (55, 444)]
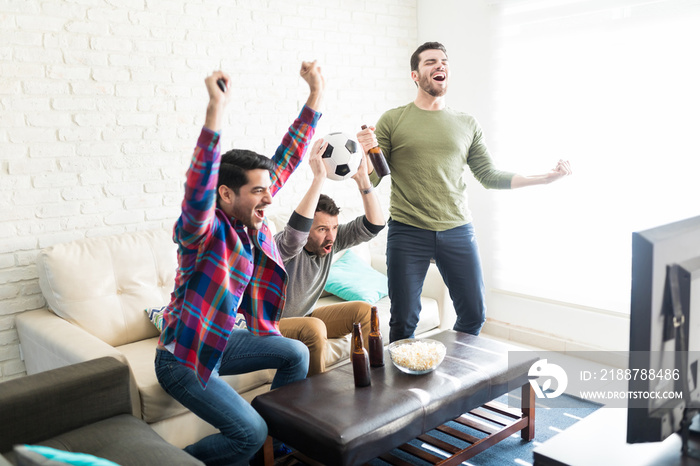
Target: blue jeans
[(456, 254), (242, 430)]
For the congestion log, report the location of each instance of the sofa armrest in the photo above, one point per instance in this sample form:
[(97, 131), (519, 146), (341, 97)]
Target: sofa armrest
[(48, 342), (40, 406), (433, 287)]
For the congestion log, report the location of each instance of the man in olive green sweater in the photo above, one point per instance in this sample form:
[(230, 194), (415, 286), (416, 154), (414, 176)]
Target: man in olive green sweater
[(427, 146)]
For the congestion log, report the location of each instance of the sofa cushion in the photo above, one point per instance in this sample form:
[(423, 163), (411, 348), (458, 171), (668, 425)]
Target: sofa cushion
[(103, 284), (123, 439), (156, 404)]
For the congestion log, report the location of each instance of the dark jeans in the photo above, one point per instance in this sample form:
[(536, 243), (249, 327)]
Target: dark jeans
[(456, 254), (243, 431)]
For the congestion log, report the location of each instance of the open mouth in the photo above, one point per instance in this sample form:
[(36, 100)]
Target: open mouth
[(328, 247), (260, 213), (439, 76)]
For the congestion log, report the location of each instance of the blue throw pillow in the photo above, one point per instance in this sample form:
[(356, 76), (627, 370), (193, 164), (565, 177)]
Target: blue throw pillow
[(353, 279), (39, 455)]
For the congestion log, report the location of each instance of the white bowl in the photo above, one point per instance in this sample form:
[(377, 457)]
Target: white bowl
[(417, 356)]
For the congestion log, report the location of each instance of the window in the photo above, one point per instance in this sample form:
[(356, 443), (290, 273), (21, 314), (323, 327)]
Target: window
[(613, 86)]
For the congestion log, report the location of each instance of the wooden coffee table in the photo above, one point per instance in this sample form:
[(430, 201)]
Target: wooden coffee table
[(329, 421)]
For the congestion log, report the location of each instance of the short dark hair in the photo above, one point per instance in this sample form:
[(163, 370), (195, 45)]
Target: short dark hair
[(235, 164), (415, 58), (327, 205)]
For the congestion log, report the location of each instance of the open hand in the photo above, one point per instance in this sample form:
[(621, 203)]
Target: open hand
[(318, 168), (362, 173)]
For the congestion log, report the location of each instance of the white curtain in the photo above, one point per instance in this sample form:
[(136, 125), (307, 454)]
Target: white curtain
[(613, 86)]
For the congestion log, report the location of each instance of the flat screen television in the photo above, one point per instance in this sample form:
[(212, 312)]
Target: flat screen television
[(664, 345)]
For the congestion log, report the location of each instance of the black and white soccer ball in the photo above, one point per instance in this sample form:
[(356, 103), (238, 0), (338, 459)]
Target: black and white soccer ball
[(342, 157)]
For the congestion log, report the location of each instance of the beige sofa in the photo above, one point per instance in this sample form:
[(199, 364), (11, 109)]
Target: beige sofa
[(96, 292)]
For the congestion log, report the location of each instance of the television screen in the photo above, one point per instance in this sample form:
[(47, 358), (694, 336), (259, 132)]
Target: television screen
[(664, 328)]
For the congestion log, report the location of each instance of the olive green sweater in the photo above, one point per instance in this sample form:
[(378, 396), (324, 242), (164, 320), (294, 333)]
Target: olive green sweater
[(428, 152)]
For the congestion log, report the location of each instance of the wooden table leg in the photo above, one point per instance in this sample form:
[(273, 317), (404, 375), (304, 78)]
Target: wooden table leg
[(528, 409), (268, 452)]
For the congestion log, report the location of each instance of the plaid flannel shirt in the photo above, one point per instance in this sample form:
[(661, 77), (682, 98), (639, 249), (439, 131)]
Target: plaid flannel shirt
[(218, 273)]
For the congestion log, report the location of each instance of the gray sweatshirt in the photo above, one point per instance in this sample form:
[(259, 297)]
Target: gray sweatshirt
[(308, 272)]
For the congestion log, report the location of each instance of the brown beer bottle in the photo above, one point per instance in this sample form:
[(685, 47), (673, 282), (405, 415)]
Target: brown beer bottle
[(376, 343), (376, 156), (360, 361)]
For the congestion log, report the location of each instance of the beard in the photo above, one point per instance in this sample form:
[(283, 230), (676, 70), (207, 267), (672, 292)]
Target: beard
[(251, 219), (319, 249), (428, 86)]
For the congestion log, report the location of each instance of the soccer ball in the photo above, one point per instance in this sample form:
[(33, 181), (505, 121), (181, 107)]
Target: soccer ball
[(342, 157)]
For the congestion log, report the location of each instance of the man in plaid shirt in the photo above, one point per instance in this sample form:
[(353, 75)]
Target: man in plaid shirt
[(229, 263)]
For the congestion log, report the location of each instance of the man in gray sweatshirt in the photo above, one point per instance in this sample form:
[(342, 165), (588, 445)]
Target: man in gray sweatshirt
[(307, 245)]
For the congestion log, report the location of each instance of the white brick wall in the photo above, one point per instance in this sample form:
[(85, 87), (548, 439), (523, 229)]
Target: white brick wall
[(101, 102)]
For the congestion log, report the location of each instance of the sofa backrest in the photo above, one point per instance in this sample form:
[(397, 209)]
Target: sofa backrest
[(38, 407), (104, 284)]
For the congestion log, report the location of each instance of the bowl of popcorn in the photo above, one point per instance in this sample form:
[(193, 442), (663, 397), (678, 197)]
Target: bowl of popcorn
[(416, 356)]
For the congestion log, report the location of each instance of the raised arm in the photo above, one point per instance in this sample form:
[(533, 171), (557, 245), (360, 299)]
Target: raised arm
[(370, 200), (199, 202), (307, 206), (311, 72), (367, 140), (217, 100), (291, 240), (290, 152)]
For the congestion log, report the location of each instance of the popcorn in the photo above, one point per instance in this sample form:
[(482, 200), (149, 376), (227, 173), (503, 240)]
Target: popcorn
[(418, 355)]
